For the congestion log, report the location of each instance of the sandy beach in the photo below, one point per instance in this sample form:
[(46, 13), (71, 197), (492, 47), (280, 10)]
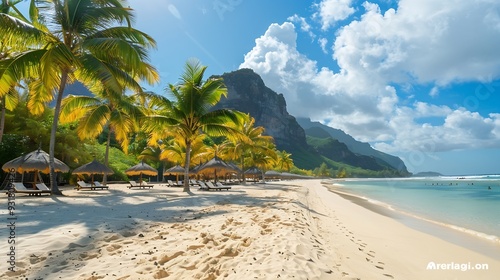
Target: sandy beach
[(287, 229)]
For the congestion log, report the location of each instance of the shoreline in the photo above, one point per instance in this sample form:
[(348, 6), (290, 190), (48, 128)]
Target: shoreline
[(405, 251), (468, 238)]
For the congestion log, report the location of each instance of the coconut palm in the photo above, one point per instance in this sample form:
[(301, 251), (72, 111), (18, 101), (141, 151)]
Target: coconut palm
[(190, 112), (10, 99), (116, 112), (71, 41), (253, 142), (174, 151), (285, 161), (264, 161)]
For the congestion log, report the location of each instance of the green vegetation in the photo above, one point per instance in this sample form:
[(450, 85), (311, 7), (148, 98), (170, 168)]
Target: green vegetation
[(63, 42)]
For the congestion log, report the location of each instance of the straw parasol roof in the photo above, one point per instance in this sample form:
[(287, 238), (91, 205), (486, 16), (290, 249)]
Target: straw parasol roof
[(176, 170), (93, 167), (253, 171), (142, 169), (273, 174), (37, 160), (216, 166)]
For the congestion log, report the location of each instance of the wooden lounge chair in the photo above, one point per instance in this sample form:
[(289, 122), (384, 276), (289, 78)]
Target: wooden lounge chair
[(98, 185), (134, 184), (208, 186), (203, 187), (193, 183), (217, 188), (43, 187), (20, 188), (221, 186), (172, 184), (82, 185)]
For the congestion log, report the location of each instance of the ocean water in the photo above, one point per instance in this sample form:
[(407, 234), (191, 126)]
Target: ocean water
[(470, 204)]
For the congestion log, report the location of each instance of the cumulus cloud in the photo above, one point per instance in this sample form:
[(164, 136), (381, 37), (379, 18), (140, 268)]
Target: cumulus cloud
[(420, 43), (332, 11), (423, 41)]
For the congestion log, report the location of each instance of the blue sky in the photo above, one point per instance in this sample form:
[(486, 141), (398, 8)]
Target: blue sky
[(419, 79)]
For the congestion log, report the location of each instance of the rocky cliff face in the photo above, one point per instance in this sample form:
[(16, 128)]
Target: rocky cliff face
[(248, 93)]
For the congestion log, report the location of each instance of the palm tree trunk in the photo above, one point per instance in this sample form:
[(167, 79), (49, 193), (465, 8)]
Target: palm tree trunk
[(53, 184), (186, 167), (244, 181), (106, 158), (2, 119)]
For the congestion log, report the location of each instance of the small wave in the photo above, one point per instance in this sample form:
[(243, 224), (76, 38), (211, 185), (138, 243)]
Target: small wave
[(482, 235), (472, 232)]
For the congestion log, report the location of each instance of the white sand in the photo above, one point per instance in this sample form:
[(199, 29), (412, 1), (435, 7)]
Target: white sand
[(287, 230)]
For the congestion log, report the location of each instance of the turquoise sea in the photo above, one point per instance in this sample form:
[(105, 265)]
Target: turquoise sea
[(468, 204)]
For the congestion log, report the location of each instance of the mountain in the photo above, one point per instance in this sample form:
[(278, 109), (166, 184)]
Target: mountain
[(335, 150), (428, 174), (355, 146), (248, 93)]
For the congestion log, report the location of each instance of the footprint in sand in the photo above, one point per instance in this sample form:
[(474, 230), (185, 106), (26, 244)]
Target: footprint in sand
[(167, 258), (113, 247)]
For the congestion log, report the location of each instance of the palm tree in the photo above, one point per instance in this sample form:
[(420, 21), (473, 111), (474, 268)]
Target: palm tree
[(74, 41), (253, 142), (174, 151), (285, 161), (264, 161), (9, 100), (190, 113), (117, 112)]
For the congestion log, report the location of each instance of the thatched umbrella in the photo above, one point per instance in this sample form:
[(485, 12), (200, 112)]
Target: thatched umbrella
[(37, 161), (253, 172), (177, 170), (216, 166), (141, 169), (93, 167), (273, 174)]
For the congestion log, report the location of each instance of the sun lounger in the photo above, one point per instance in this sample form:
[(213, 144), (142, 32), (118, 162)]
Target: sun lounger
[(172, 184), (193, 183), (218, 187), (98, 185), (82, 185), (208, 186), (221, 186), (20, 188), (203, 187), (43, 187), (134, 184)]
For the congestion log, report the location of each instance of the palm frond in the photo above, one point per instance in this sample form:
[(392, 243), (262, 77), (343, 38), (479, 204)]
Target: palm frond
[(93, 123), (74, 107), (11, 99), (15, 32), (22, 66)]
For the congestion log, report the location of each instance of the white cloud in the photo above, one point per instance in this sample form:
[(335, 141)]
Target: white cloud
[(304, 26), (331, 11), (322, 43), (421, 43)]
